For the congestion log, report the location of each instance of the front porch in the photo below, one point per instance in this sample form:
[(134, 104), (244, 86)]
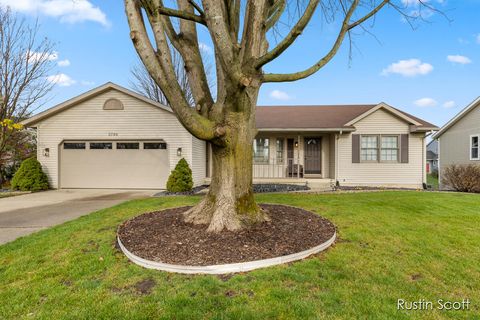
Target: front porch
[(294, 156)]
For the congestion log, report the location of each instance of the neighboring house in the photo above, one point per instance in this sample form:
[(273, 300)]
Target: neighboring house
[(111, 137), (432, 156), (459, 139)]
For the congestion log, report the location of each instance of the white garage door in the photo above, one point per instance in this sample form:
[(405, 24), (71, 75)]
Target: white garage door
[(116, 165)]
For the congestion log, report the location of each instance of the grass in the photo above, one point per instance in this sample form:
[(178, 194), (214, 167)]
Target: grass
[(433, 181), (409, 245)]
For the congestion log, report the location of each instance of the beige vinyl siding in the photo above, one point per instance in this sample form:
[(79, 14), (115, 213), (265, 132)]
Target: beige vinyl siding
[(455, 142), (199, 161), (88, 121), (381, 174)]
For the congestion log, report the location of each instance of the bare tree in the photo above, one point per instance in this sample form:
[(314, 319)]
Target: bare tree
[(144, 84), (240, 31), (26, 60)]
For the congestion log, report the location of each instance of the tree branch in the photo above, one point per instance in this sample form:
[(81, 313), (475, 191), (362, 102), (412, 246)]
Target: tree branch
[(369, 15), (182, 15), (271, 77), (276, 12), (291, 37), (220, 34), (197, 7), (160, 67), (254, 42)]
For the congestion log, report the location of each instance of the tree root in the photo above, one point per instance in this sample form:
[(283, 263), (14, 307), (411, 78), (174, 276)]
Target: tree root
[(222, 214)]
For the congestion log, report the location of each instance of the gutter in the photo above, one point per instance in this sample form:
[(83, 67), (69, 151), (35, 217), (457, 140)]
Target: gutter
[(306, 129)]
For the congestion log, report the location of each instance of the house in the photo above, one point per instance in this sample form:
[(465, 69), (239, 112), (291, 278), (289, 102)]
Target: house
[(432, 156), (458, 139), (111, 137)]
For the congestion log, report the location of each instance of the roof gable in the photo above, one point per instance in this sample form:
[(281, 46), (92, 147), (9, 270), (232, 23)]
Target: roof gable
[(457, 118), (87, 96), (387, 108)]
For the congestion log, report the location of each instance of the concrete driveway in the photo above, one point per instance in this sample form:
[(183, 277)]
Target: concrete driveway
[(25, 214)]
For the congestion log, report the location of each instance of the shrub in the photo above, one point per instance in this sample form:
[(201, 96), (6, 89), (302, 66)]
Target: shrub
[(464, 178), (180, 179), (30, 177)]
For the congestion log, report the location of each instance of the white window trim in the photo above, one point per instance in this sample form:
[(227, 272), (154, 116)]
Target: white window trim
[(255, 160), (398, 148), (379, 148), (471, 146)]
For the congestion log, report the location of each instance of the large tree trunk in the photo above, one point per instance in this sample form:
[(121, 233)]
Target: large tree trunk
[(230, 202)]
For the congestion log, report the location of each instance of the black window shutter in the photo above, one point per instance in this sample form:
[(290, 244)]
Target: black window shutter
[(404, 148), (355, 148)]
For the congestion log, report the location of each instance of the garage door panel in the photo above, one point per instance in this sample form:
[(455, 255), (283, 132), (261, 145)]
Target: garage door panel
[(112, 168)]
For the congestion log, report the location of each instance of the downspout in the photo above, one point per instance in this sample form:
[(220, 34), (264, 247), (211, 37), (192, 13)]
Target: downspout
[(337, 165), (424, 159), (424, 163), (438, 164)]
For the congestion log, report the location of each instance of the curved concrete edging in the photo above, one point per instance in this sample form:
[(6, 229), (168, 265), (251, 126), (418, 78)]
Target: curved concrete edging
[(226, 268)]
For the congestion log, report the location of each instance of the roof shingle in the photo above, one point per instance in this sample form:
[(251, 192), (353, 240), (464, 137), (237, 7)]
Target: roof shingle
[(315, 117)]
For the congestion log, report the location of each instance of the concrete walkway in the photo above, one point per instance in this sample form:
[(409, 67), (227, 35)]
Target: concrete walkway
[(25, 214)]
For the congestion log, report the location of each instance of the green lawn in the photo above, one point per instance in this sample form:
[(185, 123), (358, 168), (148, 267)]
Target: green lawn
[(409, 245)]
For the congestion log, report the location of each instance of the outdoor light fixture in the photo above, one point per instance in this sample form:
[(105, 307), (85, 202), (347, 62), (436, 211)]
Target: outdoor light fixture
[(46, 152), (179, 152), (296, 144)]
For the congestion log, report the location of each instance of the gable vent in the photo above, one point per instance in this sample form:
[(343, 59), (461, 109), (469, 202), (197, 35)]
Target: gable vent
[(113, 104)]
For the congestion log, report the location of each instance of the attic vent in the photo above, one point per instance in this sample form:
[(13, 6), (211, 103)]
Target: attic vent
[(113, 104)]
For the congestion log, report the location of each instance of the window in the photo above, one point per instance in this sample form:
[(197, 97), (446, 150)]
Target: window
[(369, 148), (128, 145), (261, 150), (113, 104), (154, 145), (280, 149), (74, 145), (389, 148), (474, 147), (379, 148), (100, 145)]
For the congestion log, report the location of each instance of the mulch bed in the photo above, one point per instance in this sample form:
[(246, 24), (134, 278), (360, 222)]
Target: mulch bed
[(278, 187), (186, 193), (163, 236), (257, 188)]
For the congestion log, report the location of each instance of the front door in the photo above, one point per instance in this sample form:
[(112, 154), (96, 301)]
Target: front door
[(313, 149)]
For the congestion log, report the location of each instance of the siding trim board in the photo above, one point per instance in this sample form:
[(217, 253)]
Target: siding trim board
[(457, 118)]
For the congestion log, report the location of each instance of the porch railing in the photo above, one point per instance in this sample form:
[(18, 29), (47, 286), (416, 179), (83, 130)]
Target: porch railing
[(277, 168)]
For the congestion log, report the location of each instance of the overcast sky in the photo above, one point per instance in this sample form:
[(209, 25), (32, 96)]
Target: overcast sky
[(432, 71)]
